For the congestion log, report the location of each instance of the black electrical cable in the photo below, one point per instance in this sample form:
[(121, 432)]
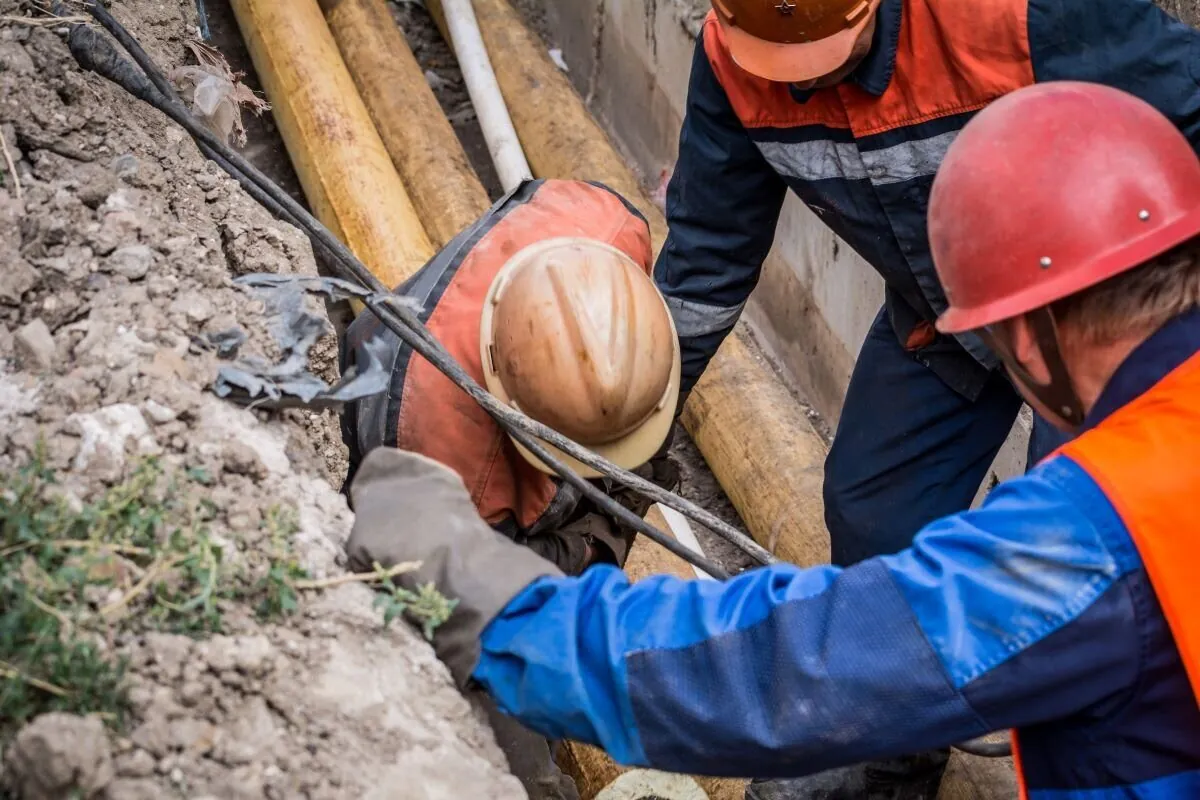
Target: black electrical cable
[(96, 54)]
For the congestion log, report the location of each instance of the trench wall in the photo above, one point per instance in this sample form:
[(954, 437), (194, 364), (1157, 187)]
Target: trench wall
[(816, 299)]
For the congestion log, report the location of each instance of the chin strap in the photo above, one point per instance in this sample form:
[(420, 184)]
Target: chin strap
[(1059, 395)]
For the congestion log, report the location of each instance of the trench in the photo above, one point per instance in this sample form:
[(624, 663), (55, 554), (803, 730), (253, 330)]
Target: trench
[(698, 483), (266, 150)]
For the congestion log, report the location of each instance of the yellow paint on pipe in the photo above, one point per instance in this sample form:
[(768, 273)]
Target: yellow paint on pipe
[(753, 434), (342, 164), (423, 146), (559, 136)]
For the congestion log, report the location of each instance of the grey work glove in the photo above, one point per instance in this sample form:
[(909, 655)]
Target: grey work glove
[(411, 508)]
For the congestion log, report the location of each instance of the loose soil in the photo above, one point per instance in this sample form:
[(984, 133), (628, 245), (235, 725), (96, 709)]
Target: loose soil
[(116, 259)]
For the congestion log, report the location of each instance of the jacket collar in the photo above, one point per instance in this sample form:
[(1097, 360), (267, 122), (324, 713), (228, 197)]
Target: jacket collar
[(1150, 362), (875, 72)]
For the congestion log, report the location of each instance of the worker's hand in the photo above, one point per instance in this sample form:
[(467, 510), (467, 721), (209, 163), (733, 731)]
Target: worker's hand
[(410, 508)]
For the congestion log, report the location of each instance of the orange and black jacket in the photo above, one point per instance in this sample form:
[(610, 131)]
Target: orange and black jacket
[(862, 155), (423, 411)]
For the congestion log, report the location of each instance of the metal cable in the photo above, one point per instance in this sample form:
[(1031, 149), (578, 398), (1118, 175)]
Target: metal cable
[(89, 49)]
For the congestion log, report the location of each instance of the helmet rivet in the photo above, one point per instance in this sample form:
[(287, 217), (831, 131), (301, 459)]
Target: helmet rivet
[(1046, 262), (1143, 215)]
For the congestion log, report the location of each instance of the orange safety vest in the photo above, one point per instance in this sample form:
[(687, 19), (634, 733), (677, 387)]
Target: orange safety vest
[(1134, 457), (425, 412)]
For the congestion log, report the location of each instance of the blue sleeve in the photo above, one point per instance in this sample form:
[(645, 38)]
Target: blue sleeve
[(785, 671), (1128, 44), (723, 203)]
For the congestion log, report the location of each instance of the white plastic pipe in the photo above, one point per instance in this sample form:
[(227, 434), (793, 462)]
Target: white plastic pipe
[(682, 530), (497, 126)]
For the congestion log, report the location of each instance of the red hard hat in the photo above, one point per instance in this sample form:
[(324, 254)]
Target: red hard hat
[(1052, 189)]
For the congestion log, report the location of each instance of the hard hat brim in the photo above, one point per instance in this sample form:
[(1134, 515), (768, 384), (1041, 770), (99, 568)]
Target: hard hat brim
[(1076, 279), (629, 451), (796, 62)]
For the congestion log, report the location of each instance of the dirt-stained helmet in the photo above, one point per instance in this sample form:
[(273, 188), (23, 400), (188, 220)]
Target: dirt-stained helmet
[(576, 335), (792, 41), (1052, 189)]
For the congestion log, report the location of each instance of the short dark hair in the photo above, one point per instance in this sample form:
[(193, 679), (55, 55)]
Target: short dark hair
[(1136, 302)]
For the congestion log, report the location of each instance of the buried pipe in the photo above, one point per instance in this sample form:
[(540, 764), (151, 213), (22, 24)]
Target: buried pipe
[(423, 146), (755, 437), (343, 166), (490, 110)]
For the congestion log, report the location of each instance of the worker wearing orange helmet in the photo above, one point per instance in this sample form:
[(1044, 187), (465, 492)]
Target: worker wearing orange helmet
[(548, 302), (852, 104), (1065, 225)]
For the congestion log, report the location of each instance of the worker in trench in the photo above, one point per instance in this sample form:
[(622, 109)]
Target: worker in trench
[(851, 104), (1065, 228), (548, 301)]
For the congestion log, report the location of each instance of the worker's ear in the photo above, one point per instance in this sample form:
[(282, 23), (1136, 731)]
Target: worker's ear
[(1022, 342)]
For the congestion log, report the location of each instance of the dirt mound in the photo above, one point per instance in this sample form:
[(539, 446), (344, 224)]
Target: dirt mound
[(176, 557)]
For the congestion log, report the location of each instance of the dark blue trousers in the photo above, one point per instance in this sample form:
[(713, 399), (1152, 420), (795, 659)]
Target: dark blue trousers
[(909, 449)]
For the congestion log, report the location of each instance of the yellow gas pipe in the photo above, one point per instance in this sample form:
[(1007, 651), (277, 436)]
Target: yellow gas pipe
[(343, 166), (423, 146)]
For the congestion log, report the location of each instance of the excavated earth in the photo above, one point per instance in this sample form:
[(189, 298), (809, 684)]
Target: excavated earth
[(116, 256)]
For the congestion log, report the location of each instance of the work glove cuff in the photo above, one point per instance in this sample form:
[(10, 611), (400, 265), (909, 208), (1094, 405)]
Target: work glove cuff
[(410, 508)]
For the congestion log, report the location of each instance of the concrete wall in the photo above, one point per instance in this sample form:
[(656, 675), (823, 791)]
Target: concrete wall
[(630, 59)]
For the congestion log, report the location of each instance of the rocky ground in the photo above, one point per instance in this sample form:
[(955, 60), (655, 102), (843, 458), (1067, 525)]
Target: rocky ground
[(148, 525)]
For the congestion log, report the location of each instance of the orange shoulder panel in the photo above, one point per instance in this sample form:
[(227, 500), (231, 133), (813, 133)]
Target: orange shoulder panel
[(438, 419), (1146, 459), (952, 57)]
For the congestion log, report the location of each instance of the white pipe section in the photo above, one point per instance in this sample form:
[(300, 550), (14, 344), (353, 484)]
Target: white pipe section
[(682, 530), (497, 126)]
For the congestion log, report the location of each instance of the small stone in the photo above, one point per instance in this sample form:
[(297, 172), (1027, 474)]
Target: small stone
[(135, 764), (177, 776), (132, 262), (124, 166), (193, 735), (192, 692), (193, 305), (158, 413), (97, 282), (253, 654), (218, 652), (240, 459), (57, 755), (34, 346), (170, 652), (16, 278), (96, 184)]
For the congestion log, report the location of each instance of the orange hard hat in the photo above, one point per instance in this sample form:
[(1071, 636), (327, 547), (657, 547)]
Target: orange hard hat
[(792, 41), (576, 335), (1052, 189)]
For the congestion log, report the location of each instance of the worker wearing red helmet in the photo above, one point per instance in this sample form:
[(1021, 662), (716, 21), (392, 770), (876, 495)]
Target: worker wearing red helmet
[(851, 104), (1065, 224)]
